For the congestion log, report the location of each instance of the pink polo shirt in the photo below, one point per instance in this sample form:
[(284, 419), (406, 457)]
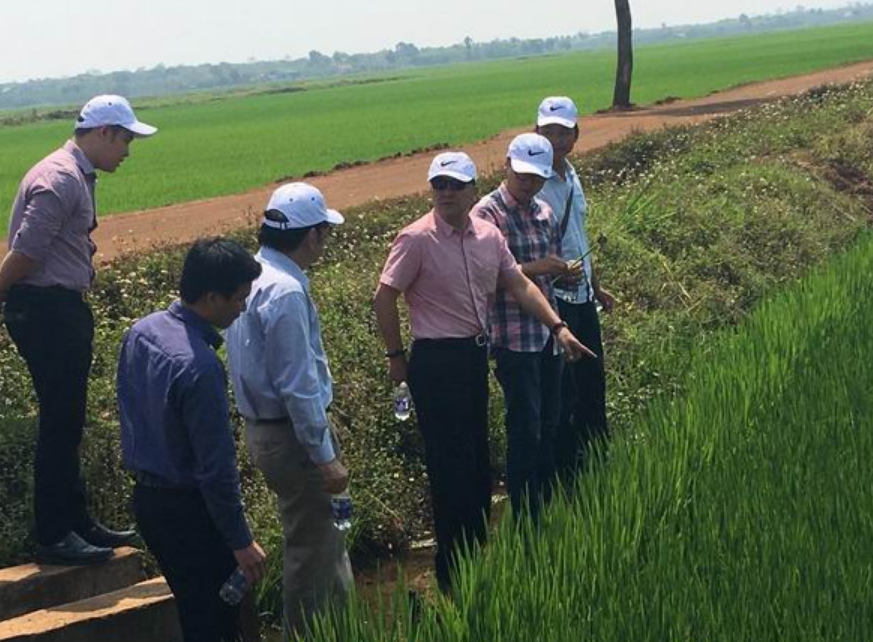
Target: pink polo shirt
[(448, 277)]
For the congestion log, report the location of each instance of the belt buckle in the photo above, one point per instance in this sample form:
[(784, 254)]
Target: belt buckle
[(480, 340)]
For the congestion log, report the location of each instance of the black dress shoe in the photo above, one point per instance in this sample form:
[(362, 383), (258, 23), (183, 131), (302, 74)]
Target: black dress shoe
[(72, 550), (99, 535)]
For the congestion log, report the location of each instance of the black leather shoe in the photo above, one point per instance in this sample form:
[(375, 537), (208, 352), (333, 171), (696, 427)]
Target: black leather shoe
[(72, 550), (100, 536)]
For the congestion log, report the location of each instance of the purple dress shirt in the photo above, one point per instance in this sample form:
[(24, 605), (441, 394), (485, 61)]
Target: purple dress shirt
[(52, 219)]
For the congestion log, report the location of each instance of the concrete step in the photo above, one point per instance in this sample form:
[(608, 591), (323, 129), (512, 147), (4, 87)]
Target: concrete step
[(145, 612), (31, 587)]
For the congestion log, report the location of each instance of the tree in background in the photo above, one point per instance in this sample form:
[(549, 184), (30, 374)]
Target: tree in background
[(624, 70)]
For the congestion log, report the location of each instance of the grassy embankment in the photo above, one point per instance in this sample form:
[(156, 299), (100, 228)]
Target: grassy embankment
[(739, 511), (228, 146), (700, 225)]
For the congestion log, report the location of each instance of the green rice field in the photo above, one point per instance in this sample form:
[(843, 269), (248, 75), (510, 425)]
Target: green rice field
[(227, 146), (741, 511)]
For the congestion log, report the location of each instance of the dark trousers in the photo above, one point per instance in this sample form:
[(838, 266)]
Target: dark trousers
[(176, 526), (53, 329), (583, 393), (448, 380), (531, 391)]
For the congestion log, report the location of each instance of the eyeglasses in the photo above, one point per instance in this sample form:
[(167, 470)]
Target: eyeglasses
[(440, 183)]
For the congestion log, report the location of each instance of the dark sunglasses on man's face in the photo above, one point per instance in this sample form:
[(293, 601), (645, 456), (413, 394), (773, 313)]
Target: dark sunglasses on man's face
[(441, 183)]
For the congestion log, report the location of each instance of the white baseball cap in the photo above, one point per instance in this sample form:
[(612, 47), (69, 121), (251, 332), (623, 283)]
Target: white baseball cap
[(455, 165), (303, 206), (559, 110), (112, 110), (531, 154)]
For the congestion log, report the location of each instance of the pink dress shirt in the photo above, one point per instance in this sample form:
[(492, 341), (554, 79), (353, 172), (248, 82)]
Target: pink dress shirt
[(448, 276)]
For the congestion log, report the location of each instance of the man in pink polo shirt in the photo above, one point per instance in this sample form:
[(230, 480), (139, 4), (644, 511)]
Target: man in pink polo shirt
[(448, 267)]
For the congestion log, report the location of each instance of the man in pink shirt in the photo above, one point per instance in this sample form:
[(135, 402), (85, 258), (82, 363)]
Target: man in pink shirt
[(448, 267), (43, 280)]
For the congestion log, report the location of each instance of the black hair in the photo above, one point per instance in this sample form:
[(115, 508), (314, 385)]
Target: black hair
[(282, 240), (216, 265)]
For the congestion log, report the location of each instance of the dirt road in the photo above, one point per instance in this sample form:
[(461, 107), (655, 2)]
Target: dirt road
[(404, 176)]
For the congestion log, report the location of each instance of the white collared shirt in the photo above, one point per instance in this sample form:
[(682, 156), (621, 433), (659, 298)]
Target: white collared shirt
[(276, 357)]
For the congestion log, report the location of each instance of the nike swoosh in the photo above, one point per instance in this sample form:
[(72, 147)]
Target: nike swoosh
[(446, 163), (531, 152), (556, 107)]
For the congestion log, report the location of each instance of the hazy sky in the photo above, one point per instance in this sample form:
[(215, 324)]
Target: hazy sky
[(49, 38)]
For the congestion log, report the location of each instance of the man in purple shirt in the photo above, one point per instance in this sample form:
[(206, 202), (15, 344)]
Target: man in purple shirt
[(177, 440), (448, 267), (43, 279)]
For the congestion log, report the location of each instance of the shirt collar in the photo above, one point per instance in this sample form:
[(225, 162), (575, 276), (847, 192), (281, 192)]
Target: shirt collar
[(282, 262), (444, 229), (81, 159), (195, 321)]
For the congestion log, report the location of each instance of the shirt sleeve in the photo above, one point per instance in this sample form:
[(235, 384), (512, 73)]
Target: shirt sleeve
[(506, 261), (49, 203), (294, 371), (554, 229), (205, 413), (403, 264)]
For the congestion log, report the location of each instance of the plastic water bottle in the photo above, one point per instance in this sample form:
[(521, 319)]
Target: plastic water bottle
[(235, 588), (402, 401), (341, 507)]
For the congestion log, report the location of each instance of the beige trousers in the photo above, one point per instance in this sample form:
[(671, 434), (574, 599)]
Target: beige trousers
[(316, 567)]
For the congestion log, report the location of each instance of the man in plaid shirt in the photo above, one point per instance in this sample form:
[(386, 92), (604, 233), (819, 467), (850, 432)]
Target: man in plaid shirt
[(528, 363)]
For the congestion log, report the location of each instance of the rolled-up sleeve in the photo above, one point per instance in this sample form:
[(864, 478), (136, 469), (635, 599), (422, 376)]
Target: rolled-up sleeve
[(48, 203), (204, 406), (290, 365)]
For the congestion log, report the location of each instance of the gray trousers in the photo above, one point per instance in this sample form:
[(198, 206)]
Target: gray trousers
[(316, 567)]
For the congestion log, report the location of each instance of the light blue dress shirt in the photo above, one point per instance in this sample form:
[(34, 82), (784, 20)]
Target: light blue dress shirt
[(555, 192), (276, 357)]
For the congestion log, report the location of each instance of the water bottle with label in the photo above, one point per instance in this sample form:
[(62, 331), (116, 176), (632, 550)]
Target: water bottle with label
[(402, 402), (235, 588), (341, 507)]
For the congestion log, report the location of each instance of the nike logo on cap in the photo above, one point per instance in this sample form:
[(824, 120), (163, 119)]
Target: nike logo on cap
[(556, 107), (531, 152), (446, 163)]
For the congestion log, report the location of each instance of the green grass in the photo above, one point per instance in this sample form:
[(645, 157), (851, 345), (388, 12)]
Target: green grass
[(741, 511), (227, 146)]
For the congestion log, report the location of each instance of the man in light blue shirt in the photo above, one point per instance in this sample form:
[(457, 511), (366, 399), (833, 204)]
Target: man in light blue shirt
[(283, 389), (583, 385)]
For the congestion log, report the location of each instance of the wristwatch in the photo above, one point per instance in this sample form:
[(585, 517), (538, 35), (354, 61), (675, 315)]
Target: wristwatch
[(555, 329)]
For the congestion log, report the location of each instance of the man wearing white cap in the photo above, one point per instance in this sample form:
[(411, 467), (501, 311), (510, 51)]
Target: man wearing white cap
[(448, 267), (43, 280), (528, 364), (583, 389), (283, 389)]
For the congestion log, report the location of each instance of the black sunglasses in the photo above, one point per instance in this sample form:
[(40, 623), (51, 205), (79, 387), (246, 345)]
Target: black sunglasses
[(440, 183)]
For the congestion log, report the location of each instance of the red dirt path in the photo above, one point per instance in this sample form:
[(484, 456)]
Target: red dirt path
[(404, 176)]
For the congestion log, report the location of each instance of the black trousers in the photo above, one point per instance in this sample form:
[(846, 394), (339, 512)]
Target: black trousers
[(176, 526), (531, 383), (583, 393), (448, 379), (53, 329)]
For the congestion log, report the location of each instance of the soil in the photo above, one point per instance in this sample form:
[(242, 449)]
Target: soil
[(405, 175)]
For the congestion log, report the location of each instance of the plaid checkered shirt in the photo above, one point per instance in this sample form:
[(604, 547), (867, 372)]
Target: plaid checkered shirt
[(532, 233)]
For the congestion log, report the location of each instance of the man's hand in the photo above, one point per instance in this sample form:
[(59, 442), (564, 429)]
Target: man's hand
[(251, 560), (606, 299), (336, 477), (571, 347), (397, 369), (551, 265)]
